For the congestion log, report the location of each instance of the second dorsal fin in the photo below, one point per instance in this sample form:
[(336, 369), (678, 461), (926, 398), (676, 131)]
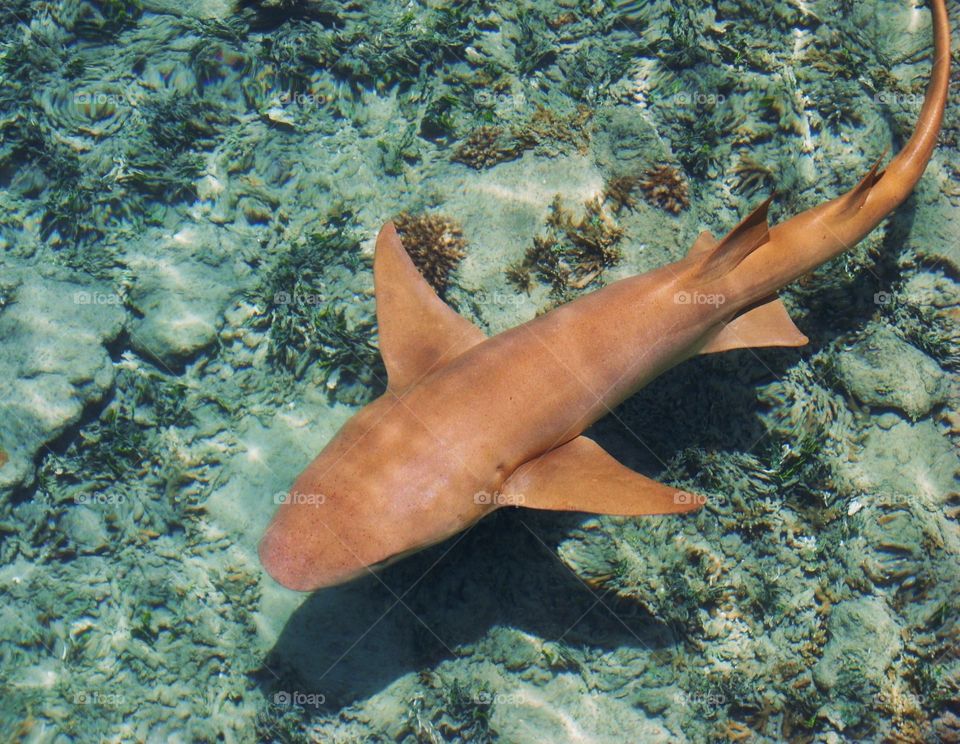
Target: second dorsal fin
[(851, 202), (418, 331), (752, 232)]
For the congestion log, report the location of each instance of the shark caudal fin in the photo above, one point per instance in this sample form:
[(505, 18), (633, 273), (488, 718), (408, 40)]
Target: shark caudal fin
[(581, 476), (765, 324), (908, 165), (418, 331), (817, 235)]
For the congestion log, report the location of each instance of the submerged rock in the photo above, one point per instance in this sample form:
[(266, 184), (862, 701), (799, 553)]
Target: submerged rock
[(85, 528), (181, 307), (624, 140), (912, 460), (864, 640), (199, 10), (54, 363), (885, 371)]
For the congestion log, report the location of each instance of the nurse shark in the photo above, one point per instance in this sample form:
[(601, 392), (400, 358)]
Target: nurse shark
[(469, 424)]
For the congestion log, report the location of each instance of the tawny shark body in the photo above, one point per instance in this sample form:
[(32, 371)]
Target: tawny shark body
[(469, 424)]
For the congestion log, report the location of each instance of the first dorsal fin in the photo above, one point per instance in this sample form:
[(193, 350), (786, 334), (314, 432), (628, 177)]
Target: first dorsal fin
[(752, 232), (418, 331), (581, 476), (704, 242)]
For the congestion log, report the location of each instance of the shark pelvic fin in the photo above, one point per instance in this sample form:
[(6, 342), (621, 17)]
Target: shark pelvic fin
[(418, 331), (752, 232), (581, 476), (850, 203), (764, 324)]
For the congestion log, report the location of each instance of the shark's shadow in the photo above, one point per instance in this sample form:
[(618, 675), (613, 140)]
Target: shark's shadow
[(350, 642), (708, 402)]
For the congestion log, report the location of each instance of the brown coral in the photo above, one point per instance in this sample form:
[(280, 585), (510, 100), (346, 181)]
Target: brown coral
[(486, 146), (946, 727), (573, 252), (564, 19), (735, 731), (518, 274), (594, 236), (618, 191), (664, 187), (545, 130), (751, 175), (435, 243)]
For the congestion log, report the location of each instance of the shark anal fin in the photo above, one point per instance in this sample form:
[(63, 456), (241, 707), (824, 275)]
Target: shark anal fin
[(752, 232), (764, 324), (418, 331), (581, 476)]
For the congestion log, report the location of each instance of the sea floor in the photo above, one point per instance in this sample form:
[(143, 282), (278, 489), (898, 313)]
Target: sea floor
[(189, 194)]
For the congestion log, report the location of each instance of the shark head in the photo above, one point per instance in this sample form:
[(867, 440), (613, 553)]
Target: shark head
[(323, 532), (302, 558), (318, 536), (365, 501)]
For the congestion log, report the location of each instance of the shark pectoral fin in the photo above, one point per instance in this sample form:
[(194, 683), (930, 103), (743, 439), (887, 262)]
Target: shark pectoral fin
[(765, 324), (418, 331), (581, 476), (752, 232)]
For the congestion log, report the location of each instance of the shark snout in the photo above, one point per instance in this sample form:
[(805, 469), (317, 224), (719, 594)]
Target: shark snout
[(284, 562), (301, 556)]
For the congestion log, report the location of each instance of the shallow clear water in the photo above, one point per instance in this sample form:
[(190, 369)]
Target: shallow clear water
[(190, 196)]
